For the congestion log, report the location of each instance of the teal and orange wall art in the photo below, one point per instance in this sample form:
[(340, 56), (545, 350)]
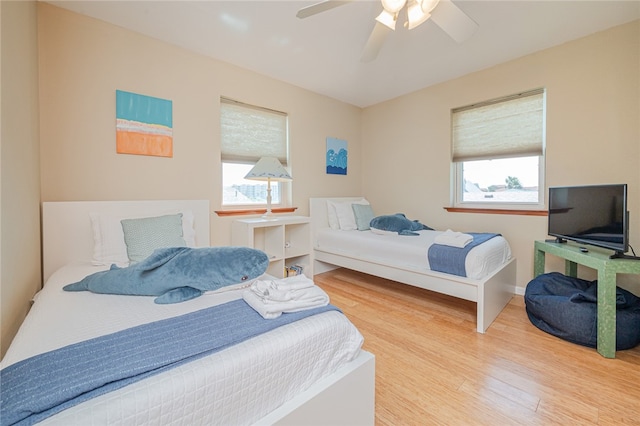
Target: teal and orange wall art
[(144, 125)]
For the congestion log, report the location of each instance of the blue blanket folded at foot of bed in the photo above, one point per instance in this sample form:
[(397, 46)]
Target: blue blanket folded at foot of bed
[(43, 385), (451, 260)]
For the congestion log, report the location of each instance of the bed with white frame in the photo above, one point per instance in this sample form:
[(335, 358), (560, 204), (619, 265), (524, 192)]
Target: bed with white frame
[(194, 392), (491, 293)]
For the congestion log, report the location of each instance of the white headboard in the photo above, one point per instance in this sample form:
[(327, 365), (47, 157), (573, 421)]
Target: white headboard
[(318, 211), (67, 234)]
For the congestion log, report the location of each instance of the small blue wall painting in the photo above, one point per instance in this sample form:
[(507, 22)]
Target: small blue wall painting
[(336, 156), (144, 125)]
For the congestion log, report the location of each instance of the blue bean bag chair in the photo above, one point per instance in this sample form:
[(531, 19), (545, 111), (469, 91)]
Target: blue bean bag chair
[(566, 307)]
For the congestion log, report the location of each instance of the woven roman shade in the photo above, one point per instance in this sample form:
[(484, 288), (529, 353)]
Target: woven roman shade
[(248, 133), (508, 127)]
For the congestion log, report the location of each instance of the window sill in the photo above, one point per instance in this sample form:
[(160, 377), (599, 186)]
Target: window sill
[(242, 212), (497, 211)]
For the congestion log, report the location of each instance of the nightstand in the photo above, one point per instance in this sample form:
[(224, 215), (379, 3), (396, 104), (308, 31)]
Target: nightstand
[(285, 239)]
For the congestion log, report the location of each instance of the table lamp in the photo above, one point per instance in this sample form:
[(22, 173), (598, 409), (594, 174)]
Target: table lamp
[(268, 168)]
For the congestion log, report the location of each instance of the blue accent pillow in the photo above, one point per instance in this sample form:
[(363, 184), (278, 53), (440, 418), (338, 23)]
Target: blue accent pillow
[(142, 236), (363, 214)]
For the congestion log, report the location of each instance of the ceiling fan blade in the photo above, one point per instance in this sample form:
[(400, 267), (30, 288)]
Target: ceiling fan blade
[(323, 6), (457, 24), (374, 43)]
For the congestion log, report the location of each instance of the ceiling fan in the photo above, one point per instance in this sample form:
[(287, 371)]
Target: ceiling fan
[(444, 13)]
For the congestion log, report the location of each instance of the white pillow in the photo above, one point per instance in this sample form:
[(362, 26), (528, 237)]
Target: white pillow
[(108, 238), (340, 214), (331, 216)]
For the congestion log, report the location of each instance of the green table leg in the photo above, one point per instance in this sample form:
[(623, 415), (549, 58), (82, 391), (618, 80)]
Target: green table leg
[(570, 268), (538, 262), (607, 313)]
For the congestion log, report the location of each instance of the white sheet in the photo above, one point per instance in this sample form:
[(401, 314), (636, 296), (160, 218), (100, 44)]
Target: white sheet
[(238, 385), (409, 252)]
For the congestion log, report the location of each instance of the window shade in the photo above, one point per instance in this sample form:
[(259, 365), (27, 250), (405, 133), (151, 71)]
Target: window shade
[(502, 128), (249, 132)]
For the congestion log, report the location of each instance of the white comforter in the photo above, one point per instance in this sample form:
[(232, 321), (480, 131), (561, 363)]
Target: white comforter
[(238, 385), (409, 252)]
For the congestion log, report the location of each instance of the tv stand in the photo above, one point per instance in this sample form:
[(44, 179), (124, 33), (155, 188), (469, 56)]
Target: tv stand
[(608, 267)]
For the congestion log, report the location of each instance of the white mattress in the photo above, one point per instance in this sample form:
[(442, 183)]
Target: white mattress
[(409, 252), (238, 385)]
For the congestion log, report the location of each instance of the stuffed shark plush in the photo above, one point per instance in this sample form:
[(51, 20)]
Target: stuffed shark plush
[(397, 223), (177, 274)]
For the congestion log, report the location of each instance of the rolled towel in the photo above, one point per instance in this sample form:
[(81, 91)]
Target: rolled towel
[(453, 239), (307, 298)]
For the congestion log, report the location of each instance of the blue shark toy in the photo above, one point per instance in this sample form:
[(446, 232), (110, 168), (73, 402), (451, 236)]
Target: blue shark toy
[(177, 274), (397, 223)]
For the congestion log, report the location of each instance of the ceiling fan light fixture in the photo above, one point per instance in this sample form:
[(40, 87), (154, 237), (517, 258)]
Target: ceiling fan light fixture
[(387, 19), (415, 14), (393, 6), (428, 5)]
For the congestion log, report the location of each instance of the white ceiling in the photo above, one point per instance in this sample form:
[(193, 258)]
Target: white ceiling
[(322, 53)]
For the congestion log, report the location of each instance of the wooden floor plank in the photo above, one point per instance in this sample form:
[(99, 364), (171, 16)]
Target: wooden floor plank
[(433, 368)]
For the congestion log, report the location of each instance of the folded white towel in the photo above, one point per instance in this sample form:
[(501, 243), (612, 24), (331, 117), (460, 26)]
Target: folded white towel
[(280, 290), (294, 300), (267, 290), (453, 239), (296, 282)]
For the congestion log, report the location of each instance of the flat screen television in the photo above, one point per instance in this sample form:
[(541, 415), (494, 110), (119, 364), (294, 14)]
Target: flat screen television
[(595, 215)]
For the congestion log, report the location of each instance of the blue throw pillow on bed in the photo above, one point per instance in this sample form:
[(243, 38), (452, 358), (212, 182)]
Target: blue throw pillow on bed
[(143, 236), (363, 214), (397, 223)]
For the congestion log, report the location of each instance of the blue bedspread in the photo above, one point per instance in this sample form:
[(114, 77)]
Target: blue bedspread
[(451, 260), (43, 385)]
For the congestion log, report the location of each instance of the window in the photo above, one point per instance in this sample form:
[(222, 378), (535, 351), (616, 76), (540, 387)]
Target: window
[(498, 152), (248, 133)]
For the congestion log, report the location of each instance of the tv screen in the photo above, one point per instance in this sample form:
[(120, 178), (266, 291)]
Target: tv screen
[(595, 215)]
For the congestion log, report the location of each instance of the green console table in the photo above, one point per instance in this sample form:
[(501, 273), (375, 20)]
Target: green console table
[(607, 270)]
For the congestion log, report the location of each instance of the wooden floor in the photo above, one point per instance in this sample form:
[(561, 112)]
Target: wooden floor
[(432, 368)]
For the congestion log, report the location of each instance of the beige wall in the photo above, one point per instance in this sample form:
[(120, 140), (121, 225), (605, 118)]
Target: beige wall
[(593, 136), (20, 175), (82, 63)]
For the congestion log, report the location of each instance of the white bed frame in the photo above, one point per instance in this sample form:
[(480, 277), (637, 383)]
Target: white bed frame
[(347, 397), (491, 294)]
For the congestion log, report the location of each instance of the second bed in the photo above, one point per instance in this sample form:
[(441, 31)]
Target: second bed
[(490, 267)]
